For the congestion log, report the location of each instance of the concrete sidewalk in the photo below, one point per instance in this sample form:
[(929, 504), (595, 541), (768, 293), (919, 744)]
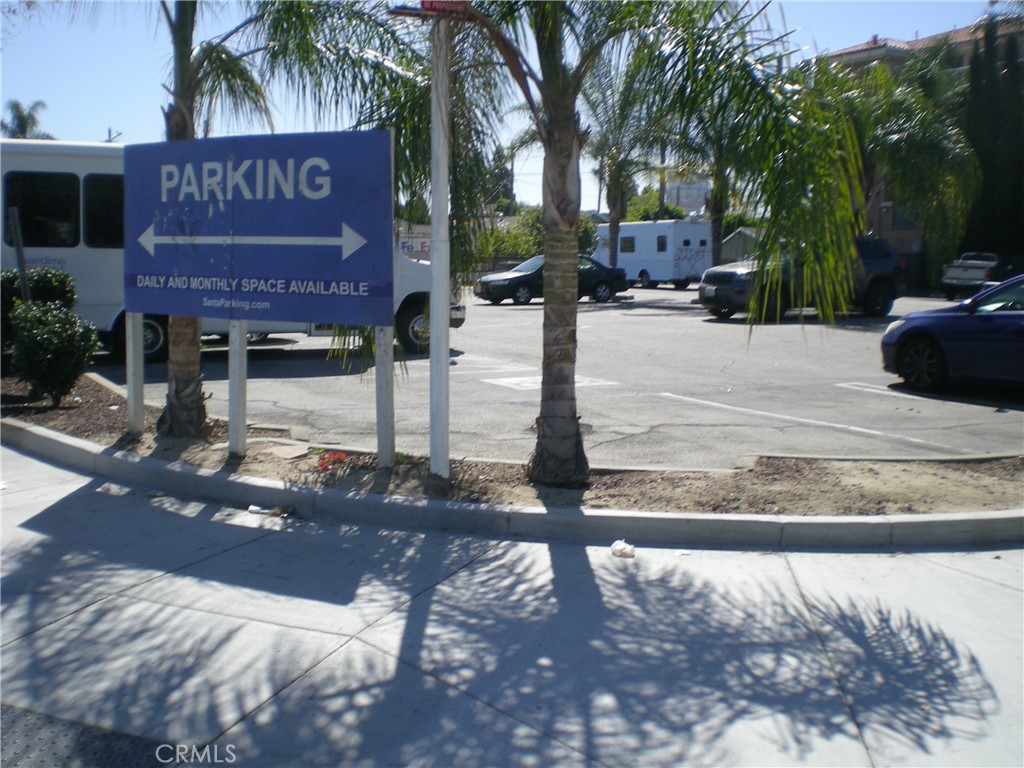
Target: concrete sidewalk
[(140, 624)]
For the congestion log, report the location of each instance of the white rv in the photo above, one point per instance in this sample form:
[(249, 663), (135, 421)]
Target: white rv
[(654, 252), (69, 198)]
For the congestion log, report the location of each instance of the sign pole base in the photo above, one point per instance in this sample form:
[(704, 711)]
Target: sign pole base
[(384, 361), (238, 331), (134, 372)]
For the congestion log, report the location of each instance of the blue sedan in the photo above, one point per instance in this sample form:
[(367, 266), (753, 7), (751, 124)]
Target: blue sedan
[(980, 339)]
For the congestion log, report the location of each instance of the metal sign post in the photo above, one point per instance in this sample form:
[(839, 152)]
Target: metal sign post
[(238, 370)]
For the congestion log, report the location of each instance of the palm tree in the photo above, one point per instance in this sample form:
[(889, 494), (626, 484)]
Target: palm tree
[(730, 60), (800, 175), (24, 123), (697, 51), (398, 97), (316, 49), (347, 58), (772, 140), (569, 39), (912, 144), (622, 132)]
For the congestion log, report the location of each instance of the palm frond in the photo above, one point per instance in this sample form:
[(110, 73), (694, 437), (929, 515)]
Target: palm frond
[(225, 81)]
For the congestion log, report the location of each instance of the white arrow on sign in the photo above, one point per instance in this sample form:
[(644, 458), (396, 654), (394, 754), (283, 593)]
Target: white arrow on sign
[(350, 240)]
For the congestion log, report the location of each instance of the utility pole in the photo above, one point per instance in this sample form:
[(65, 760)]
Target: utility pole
[(440, 13), (440, 246)]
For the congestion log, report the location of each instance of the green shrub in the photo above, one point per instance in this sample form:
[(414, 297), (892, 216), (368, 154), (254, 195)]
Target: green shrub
[(51, 347), (44, 285)]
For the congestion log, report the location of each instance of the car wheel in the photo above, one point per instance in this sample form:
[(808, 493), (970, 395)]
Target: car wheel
[(775, 308), (878, 299), (921, 364), (680, 285), (412, 327), (950, 295), (602, 292), (521, 294), (722, 314), (644, 280)]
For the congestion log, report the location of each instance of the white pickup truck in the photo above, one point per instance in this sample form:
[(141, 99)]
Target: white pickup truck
[(968, 273)]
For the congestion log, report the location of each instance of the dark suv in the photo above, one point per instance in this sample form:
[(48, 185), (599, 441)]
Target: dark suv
[(728, 289)]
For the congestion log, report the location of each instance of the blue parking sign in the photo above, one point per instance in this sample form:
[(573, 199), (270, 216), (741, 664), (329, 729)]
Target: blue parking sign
[(282, 227)]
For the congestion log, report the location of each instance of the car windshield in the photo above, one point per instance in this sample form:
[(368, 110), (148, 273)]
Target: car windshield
[(1009, 298), (530, 265)]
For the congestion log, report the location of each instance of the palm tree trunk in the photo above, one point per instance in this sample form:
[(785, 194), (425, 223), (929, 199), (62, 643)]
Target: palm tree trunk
[(617, 201), (185, 412), (614, 218), (616, 207), (559, 458), (716, 215), (184, 415), (718, 206), (661, 179)]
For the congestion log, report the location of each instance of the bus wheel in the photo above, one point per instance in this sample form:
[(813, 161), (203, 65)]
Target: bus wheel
[(154, 338)]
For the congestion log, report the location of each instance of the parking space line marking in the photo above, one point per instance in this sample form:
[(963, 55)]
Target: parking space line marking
[(533, 382), (471, 365), (875, 389), (810, 422)]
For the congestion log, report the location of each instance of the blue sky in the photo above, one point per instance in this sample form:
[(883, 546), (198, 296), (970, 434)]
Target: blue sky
[(102, 72)]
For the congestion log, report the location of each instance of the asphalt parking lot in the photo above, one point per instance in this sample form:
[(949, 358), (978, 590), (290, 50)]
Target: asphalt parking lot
[(660, 383)]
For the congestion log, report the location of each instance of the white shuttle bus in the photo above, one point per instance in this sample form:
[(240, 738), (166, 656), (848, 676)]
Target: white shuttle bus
[(654, 252), (69, 198)]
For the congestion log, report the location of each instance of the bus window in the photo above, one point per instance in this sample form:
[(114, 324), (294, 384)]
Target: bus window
[(47, 206), (103, 210)]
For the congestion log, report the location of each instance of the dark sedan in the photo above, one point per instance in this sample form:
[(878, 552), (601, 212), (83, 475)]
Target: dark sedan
[(981, 339), (523, 282)]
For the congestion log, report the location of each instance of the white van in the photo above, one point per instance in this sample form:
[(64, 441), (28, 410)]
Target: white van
[(654, 252), (69, 198)]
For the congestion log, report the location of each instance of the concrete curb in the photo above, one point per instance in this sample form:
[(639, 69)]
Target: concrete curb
[(532, 523)]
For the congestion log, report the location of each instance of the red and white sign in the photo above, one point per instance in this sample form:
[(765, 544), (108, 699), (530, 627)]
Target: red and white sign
[(443, 6)]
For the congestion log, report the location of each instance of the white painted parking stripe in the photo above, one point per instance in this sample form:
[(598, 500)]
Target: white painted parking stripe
[(524, 383), (811, 422), (470, 365), (875, 389)]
